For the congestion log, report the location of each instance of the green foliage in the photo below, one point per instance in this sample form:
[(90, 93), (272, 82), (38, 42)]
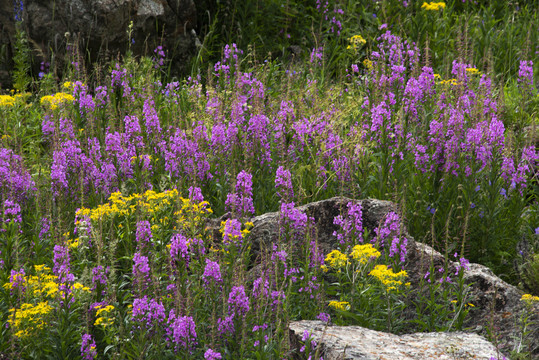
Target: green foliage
[(21, 60)]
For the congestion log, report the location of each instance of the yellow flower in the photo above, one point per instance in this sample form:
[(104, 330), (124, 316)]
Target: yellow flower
[(473, 71), (529, 299), (57, 99), (340, 305), (368, 64), (389, 279), (336, 259), (28, 318), (356, 41), (363, 253), (6, 101), (68, 85), (433, 6)]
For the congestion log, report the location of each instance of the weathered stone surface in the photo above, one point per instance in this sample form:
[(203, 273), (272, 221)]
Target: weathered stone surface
[(99, 28), (497, 304), (266, 226), (354, 342)]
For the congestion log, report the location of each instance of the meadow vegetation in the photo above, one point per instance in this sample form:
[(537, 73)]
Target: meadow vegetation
[(108, 183)]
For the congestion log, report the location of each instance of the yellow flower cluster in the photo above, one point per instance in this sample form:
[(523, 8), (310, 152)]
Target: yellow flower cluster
[(57, 99), (364, 253), (28, 318), (473, 71), (42, 284), (337, 259), (103, 316), (150, 202), (389, 279), (340, 305), (453, 82), (356, 41), (433, 6), (68, 85), (529, 298), (368, 64), (6, 101)]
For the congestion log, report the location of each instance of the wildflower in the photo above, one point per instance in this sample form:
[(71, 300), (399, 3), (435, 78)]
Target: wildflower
[(368, 64), (231, 230), (28, 318), (7, 101), (351, 225), (104, 315), (356, 41), (179, 249), (473, 71), (212, 271), (226, 325), (148, 313), (88, 348), (337, 259), (364, 253), (181, 331), (283, 184), (212, 355), (433, 6), (53, 101), (340, 305), (144, 233), (241, 202), (389, 279), (324, 317), (238, 300), (529, 299)]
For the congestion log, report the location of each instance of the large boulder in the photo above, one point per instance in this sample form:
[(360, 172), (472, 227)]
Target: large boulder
[(354, 342), (498, 305), (98, 28)]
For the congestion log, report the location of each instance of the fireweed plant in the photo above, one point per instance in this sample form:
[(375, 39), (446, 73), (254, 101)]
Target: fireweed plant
[(110, 247)]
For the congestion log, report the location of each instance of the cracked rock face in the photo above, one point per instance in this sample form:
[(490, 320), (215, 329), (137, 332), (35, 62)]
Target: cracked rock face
[(354, 342), (497, 304), (99, 28)]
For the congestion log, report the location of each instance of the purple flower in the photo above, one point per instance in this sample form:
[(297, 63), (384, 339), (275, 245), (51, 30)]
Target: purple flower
[(62, 265), (212, 355), (211, 271), (324, 317), (232, 233), (17, 280), (143, 234), (351, 226), (260, 287), (525, 73), (283, 184), (181, 331), (226, 326), (238, 301), (148, 313), (195, 194), (99, 277), (179, 249), (15, 181), (392, 228), (241, 202), (88, 349)]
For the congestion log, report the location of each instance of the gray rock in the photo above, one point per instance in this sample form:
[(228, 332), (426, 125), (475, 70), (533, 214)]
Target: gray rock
[(497, 304), (98, 28), (354, 342)]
